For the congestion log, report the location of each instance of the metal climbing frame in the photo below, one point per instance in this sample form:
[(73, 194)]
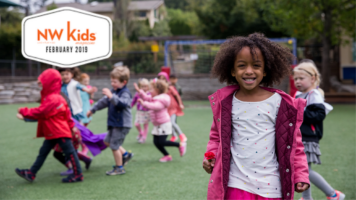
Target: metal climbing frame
[(191, 42)]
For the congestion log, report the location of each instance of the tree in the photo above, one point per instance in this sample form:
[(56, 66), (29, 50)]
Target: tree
[(183, 22), (326, 20), (221, 19), (10, 34), (176, 4)]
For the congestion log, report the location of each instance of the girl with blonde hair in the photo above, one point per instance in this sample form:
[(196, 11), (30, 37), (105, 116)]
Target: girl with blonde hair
[(142, 115), (307, 80)]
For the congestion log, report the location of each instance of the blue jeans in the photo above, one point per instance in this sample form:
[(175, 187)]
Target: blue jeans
[(68, 150)]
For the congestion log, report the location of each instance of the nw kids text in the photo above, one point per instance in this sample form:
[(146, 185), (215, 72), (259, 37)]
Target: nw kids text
[(71, 34)]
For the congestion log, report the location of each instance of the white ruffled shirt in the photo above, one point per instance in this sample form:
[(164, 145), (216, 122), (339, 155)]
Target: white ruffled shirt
[(314, 97), (254, 165)]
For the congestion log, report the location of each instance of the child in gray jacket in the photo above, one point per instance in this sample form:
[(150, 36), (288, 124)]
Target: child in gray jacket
[(118, 100)]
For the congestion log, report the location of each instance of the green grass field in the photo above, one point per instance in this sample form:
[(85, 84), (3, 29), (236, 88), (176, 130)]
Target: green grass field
[(145, 177)]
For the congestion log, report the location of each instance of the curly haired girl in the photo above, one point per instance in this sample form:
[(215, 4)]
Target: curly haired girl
[(255, 131)]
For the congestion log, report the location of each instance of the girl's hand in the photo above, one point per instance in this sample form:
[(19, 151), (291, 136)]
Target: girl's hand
[(208, 166), (140, 101), (19, 116), (93, 90), (181, 106), (136, 87), (301, 187), (89, 113)]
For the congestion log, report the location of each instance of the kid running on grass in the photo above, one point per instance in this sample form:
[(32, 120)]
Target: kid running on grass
[(157, 104), (71, 88), (307, 80), (174, 109), (118, 101), (86, 97), (54, 123), (174, 82), (142, 115), (255, 132)]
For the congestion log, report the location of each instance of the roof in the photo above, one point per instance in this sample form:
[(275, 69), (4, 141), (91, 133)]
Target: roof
[(6, 3), (92, 7), (145, 5), (103, 7)]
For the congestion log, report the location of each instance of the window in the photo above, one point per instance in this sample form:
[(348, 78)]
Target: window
[(140, 14)]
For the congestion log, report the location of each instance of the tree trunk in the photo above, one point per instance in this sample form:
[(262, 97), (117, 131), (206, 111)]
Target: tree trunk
[(325, 75)]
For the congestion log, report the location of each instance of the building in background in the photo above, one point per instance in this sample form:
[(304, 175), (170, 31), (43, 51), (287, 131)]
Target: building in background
[(141, 10)]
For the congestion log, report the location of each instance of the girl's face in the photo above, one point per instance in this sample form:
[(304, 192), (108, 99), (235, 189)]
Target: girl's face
[(303, 81), (66, 76), (86, 81), (39, 83), (161, 77), (248, 72), (145, 88), (154, 92)]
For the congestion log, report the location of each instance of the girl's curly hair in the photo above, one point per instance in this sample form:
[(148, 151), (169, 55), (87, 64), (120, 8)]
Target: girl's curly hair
[(277, 59)]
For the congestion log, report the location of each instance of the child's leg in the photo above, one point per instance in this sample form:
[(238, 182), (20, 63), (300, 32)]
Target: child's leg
[(60, 157), (138, 126), (115, 138), (320, 182), (86, 159), (174, 133), (44, 151), (84, 148), (122, 150), (158, 140), (175, 125), (145, 130), (118, 157), (69, 151)]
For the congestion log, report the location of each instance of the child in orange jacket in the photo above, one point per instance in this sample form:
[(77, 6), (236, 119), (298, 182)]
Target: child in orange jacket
[(54, 123)]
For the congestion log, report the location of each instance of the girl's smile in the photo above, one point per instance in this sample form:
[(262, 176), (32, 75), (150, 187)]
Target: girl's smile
[(249, 80)]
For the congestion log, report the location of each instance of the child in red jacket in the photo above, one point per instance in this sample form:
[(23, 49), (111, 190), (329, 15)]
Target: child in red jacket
[(54, 123)]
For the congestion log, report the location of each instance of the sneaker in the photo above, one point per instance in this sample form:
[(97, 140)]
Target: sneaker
[(116, 171), (339, 196), (66, 173), (73, 178), (166, 159), (87, 163), (139, 137), (183, 138), (127, 158), (173, 139), (26, 174), (182, 148), (142, 140)]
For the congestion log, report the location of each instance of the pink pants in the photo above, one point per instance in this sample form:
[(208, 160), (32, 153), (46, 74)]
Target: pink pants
[(237, 194)]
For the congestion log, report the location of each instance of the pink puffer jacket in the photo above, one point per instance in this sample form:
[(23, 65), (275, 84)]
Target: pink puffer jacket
[(157, 107), (293, 166)]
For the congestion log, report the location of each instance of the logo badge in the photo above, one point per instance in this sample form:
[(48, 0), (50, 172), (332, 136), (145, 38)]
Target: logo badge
[(66, 37)]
